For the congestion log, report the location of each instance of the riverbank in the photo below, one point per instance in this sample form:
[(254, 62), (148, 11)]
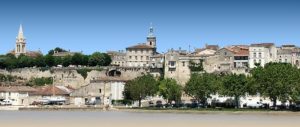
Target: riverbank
[(209, 111), (153, 110)]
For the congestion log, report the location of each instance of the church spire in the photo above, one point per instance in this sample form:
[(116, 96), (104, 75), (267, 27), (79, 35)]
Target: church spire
[(151, 39), (20, 43), (20, 34), (151, 31)]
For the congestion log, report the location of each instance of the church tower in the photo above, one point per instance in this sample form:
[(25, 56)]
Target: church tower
[(151, 39), (20, 43)]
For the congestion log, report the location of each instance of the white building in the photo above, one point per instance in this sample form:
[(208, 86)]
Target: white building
[(261, 54), (19, 95)]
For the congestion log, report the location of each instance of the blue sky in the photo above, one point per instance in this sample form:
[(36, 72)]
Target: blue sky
[(101, 25)]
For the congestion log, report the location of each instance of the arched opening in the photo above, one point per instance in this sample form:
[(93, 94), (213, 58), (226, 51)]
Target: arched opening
[(114, 73), (150, 42), (297, 63)]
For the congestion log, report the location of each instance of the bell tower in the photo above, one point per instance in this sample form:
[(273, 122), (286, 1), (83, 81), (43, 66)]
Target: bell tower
[(151, 39), (20, 43)]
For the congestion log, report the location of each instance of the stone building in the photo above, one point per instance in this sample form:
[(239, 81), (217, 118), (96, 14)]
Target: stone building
[(118, 58), (296, 58), (176, 64), (230, 59), (262, 53), (64, 54), (100, 91), (285, 52), (139, 55), (157, 65), (209, 50), (51, 92)]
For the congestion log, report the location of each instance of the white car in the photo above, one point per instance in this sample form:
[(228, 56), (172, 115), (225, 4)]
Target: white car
[(254, 104), (6, 102)]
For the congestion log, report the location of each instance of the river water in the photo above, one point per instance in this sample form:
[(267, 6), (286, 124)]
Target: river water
[(139, 119)]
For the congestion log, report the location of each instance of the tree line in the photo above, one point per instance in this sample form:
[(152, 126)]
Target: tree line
[(276, 81), (9, 61)]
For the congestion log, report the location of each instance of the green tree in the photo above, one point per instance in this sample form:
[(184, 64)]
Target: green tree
[(85, 60), (11, 62), (201, 86), (58, 60), (278, 81), (234, 86), (77, 59), (99, 59), (170, 90), (25, 61), (196, 67), (67, 60), (107, 59), (140, 87), (39, 61), (49, 60), (96, 59)]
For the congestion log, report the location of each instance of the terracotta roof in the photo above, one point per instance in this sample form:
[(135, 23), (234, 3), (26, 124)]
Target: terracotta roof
[(140, 46), (16, 89), (239, 50), (50, 90)]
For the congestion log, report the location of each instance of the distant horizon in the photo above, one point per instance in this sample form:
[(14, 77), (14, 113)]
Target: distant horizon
[(113, 25)]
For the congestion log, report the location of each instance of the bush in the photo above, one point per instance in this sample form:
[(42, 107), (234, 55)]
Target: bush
[(83, 72), (40, 81)]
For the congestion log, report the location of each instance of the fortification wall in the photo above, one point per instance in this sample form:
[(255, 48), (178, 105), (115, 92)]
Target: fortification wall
[(70, 77)]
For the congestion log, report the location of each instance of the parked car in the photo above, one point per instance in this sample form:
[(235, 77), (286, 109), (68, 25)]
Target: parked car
[(6, 102), (90, 102), (254, 104)]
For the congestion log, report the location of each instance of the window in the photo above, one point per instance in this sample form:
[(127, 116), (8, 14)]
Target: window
[(172, 63), (147, 57), (130, 57), (286, 60), (225, 53), (259, 61), (142, 57), (254, 54), (259, 55), (135, 57), (255, 61), (183, 64), (100, 90)]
